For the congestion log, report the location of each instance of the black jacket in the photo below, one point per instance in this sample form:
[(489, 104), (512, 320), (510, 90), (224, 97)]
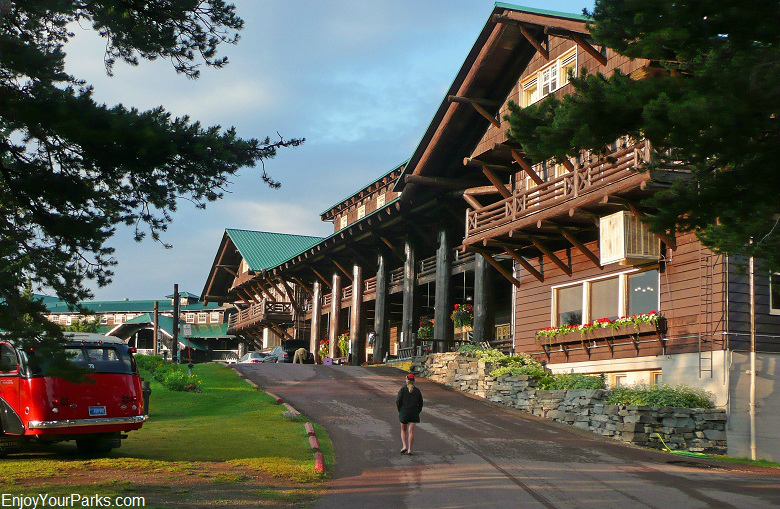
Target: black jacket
[(409, 404)]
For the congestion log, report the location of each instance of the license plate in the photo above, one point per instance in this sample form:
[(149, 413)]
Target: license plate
[(97, 411)]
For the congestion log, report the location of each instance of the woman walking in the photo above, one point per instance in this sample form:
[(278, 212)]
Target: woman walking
[(410, 403)]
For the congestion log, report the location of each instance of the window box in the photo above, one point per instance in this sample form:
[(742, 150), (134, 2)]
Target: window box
[(650, 323)]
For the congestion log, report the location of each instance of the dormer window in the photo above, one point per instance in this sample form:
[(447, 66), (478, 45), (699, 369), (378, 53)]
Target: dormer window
[(548, 79), (380, 200), (343, 222), (361, 212)]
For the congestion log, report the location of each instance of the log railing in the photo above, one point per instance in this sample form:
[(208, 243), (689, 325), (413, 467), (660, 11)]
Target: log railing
[(427, 267), (369, 285), (265, 310), (580, 182), (346, 293), (396, 276)]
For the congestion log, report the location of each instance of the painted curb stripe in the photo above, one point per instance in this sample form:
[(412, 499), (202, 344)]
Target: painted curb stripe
[(314, 443), (319, 463), (309, 429)]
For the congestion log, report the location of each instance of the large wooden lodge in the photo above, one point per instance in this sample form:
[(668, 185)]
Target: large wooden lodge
[(468, 219)]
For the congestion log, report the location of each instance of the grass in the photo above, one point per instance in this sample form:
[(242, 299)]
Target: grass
[(231, 437), (744, 461)]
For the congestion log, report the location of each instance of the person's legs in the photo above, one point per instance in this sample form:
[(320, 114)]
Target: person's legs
[(403, 437), (410, 437)]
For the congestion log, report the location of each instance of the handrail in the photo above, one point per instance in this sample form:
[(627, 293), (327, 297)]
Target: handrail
[(264, 310)]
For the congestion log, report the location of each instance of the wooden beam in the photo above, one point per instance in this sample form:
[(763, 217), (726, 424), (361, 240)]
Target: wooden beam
[(473, 203), (500, 268), (534, 42), (567, 164), (581, 247), (302, 285), (362, 259), (467, 161), (480, 190), (229, 271), (526, 166), (248, 294), (265, 291), (447, 183), (392, 248), (322, 278), (475, 103), (668, 239), (585, 45), (493, 178), (523, 262), (342, 269), (557, 261), (278, 330), (291, 295)]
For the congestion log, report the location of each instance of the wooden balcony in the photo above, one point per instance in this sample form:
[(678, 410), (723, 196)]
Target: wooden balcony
[(265, 311), (581, 187)]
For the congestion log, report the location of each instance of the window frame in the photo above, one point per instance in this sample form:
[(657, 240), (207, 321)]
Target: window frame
[(554, 70), (119, 319), (189, 318), (774, 307), (380, 200), (343, 221), (103, 319), (361, 211), (214, 317), (203, 317), (585, 284), (18, 361)]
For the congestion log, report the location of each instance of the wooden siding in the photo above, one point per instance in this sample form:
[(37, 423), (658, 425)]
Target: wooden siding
[(681, 301), (369, 202), (557, 47), (767, 325)]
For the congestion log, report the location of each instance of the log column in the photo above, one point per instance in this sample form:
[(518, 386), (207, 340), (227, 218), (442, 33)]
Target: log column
[(335, 314), (316, 318), (356, 326), (483, 300), (408, 323), (381, 316), (443, 328)]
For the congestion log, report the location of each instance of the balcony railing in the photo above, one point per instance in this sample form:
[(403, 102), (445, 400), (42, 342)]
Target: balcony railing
[(266, 310), (581, 182)]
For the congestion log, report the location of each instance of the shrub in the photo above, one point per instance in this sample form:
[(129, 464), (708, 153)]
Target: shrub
[(173, 377), (570, 381), (517, 370), (522, 364), (149, 362), (469, 350), (661, 395)]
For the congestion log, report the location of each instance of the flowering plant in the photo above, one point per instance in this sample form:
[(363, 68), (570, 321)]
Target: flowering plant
[(601, 323), (324, 348), (344, 344), (425, 331), (463, 315)]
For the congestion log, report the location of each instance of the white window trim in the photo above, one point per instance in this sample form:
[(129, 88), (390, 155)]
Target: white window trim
[(344, 221), (361, 212), (204, 316), (103, 319), (214, 317), (536, 77), (380, 200), (190, 318), (772, 310), (622, 297)]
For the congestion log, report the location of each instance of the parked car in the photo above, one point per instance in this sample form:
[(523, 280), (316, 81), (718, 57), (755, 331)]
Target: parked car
[(252, 358), (38, 407), (290, 346)]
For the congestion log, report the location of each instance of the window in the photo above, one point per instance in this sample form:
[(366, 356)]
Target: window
[(69, 320), (361, 212), (549, 79), (569, 305), (655, 377), (642, 292), (343, 222), (190, 318), (8, 360), (214, 317), (380, 200), (118, 319), (774, 293), (528, 93), (202, 317), (103, 319), (604, 299), (619, 380)]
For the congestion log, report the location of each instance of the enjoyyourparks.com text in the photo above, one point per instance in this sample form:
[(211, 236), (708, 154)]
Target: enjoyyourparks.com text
[(44, 500)]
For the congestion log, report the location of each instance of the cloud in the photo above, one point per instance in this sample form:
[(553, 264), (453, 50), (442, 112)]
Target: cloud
[(277, 217)]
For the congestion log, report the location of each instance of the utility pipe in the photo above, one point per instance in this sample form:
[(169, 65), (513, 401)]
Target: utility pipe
[(752, 361)]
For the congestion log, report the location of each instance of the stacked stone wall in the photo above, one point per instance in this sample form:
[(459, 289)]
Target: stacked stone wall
[(691, 429)]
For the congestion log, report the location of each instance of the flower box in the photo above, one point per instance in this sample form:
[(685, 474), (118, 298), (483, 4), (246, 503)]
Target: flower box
[(609, 331)]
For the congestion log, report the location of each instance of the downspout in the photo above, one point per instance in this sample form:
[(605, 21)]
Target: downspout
[(752, 361)]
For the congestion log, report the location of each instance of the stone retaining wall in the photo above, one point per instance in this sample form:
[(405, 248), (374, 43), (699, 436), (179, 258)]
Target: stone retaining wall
[(691, 429)]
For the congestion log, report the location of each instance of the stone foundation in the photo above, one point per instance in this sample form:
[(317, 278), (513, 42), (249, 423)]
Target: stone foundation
[(690, 429)]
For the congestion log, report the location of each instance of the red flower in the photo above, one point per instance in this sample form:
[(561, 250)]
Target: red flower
[(457, 306), (652, 312)]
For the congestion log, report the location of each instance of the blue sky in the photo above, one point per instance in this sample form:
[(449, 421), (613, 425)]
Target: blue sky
[(360, 80)]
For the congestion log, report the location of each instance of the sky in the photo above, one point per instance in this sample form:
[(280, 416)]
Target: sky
[(360, 80)]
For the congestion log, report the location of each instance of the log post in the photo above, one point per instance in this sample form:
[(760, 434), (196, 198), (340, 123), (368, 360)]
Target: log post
[(335, 313), (483, 300), (442, 324), (356, 325), (381, 318), (408, 323), (316, 317)]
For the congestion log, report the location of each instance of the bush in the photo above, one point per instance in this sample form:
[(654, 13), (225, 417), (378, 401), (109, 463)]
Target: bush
[(469, 350), (522, 364), (178, 380), (661, 395), (148, 362), (517, 370), (559, 381)]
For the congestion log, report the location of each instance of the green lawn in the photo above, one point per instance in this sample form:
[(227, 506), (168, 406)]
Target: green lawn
[(229, 443)]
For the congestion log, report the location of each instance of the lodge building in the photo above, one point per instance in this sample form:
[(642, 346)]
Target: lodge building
[(469, 219)]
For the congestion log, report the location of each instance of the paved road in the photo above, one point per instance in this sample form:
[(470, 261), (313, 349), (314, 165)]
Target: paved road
[(470, 453)]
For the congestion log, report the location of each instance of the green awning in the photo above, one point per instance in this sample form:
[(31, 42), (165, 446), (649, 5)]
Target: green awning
[(195, 344)]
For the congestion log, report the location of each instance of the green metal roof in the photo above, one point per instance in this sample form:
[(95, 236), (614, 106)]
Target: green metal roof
[(362, 188), (184, 294), (210, 330), (201, 330), (265, 250), (543, 12), (126, 306), (195, 344)]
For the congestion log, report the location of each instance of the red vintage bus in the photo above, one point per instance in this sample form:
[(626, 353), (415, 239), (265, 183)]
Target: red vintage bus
[(97, 413)]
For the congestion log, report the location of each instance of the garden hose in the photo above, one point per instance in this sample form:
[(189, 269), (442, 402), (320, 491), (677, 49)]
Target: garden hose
[(681, 453)]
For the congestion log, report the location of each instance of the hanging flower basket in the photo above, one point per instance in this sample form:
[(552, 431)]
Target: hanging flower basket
[(463, 316), (646, 323), (425, 331)]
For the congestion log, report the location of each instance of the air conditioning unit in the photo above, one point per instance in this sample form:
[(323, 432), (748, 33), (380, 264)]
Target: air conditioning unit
[(626, 240)]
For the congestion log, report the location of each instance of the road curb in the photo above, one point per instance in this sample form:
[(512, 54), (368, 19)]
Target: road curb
[(309, 429), (291, 409), (277, 398)]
